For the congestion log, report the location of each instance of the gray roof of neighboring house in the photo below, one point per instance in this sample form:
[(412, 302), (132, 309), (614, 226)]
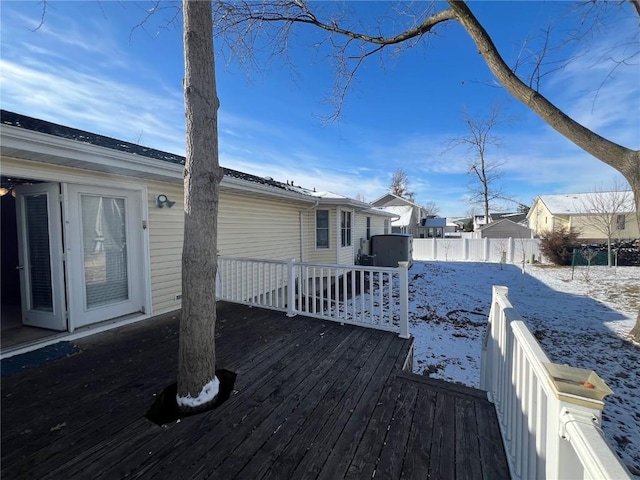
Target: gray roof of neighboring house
[(516, 217), (390, 199), (578, 203), (504, 222)]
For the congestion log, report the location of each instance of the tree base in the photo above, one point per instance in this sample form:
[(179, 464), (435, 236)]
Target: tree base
[(165, 409)]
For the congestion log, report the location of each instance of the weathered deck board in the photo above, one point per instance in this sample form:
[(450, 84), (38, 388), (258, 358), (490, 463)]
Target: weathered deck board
[(313, 399)]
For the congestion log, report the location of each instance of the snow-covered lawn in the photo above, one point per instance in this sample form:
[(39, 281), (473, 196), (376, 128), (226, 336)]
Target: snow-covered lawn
[(581, 322)]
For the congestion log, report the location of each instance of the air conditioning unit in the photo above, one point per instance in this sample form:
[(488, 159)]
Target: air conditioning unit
[(392, 248)]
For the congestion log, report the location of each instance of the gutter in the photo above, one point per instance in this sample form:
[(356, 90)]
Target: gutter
[(22, 144)]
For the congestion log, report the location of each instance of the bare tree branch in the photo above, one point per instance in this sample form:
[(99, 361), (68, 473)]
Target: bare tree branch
[(484, 171)]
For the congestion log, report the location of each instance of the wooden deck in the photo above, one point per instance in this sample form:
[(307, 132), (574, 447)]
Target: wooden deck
[(313, 399)]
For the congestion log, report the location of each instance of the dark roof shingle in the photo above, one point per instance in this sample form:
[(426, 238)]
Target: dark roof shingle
[(42, 126)]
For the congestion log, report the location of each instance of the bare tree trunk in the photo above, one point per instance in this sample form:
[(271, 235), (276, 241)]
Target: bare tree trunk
[(197, 385), (635, 186), (485, 192), (623, 159)]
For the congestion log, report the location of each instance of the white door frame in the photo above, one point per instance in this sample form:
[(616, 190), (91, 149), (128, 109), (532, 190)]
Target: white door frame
[(121, 183), (76, 261)]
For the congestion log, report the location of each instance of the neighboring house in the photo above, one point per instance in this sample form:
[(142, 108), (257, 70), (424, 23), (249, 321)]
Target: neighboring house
[(572, 211), (434, 227), (410, 218), (479, 220), (93, 226), (503, 228), (453, 229), (340, 228)]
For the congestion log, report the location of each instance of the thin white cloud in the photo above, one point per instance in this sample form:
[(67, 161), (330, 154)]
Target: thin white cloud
[(92, 102)]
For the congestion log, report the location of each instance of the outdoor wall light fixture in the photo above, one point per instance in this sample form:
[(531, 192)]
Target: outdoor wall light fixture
[(162, 201)]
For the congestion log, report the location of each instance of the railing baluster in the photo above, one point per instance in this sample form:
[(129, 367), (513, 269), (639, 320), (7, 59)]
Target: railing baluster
[(352, 294), (547, 433), (322, 290)]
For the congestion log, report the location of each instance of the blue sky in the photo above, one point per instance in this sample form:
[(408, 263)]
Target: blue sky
[(88, 67)]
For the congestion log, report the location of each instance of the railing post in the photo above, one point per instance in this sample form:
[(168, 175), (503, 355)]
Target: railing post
[(291, 287), (510, 250), (403, 272)]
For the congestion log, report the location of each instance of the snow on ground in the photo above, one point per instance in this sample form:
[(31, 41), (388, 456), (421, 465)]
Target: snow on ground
[(581, 322)]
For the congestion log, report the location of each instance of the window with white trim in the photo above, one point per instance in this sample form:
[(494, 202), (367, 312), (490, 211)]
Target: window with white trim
[(345, 226), (621, 222), (368, 228), (322, 228)]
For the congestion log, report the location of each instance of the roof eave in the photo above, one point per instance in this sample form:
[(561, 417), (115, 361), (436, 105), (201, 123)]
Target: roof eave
[(25, 144), (36, 146)]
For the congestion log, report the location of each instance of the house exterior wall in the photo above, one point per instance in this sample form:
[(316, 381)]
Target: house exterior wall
[(336, 253), (591, 228), (311, 253), (361, 244), (162, 233), (258, 227), (166, 230), (242, 220), (542, 220)]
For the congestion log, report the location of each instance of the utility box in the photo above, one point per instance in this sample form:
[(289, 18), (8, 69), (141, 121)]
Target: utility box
[(392, 248), (368, 260)]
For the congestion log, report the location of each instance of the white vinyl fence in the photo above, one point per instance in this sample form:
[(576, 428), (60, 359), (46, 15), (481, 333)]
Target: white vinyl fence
[(549, 417), (509, 250), (374, 297)]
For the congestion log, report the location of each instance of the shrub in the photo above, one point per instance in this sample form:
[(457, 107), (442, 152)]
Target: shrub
[(558, 245)]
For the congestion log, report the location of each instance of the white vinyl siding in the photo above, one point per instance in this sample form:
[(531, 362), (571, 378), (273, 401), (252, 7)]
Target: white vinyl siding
[(311, 252), (377, 225), (248, 225), (258, 227), (166, 230), (360, 242)]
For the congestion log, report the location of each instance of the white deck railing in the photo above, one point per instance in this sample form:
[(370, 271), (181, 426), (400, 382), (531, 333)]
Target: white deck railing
[(547, 433), (375, 297)]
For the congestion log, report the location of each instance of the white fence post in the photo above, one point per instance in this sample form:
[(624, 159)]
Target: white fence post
[(510, 250), (291, 288), (549, 417), (403, 273)]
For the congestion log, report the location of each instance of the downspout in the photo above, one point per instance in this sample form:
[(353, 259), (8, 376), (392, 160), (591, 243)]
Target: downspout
[(302, 212), (338, 234)]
